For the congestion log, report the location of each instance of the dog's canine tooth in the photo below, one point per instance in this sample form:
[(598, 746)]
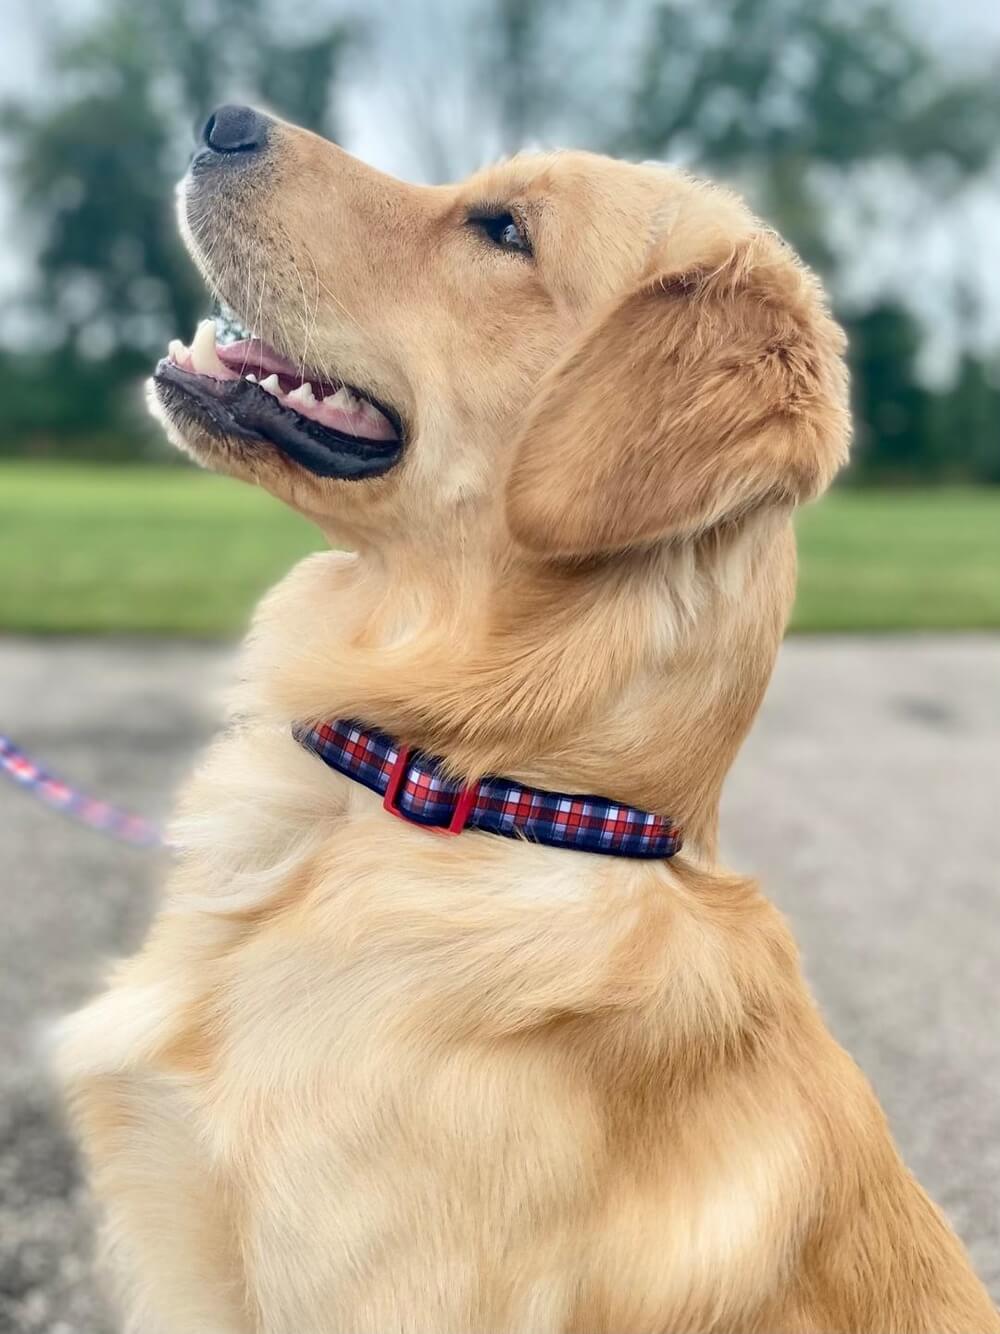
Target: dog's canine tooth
[(272, 385), (204, 357)]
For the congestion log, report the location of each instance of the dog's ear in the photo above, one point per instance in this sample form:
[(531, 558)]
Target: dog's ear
[(703, 394)]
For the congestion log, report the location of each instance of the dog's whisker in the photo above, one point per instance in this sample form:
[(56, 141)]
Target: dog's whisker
[(306, 323), (323, 287)]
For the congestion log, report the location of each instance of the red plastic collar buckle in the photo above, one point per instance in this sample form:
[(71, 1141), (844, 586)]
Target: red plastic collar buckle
[(390, 802)]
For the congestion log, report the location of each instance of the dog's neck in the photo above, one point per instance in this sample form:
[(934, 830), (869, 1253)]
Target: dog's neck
[(635, 678)]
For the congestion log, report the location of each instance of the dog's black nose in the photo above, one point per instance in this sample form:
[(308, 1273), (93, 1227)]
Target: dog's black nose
[(232, 129)]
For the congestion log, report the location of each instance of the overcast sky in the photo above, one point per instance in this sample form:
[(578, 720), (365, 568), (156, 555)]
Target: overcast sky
[(377, 103)]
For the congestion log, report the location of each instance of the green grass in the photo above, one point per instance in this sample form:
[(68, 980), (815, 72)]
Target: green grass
[(171, 550), (900, 560), (149, 549)]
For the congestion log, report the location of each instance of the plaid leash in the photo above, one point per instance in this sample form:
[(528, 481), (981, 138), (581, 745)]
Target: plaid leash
[(413, 789), (97, 815)]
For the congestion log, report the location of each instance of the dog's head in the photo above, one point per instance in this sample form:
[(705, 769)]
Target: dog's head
[(595, 375), (599, 354)]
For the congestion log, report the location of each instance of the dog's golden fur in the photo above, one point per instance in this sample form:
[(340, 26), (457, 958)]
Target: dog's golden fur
[(362, 1078)]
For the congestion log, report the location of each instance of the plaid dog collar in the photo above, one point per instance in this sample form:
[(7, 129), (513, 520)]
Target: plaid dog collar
[(415, 791)]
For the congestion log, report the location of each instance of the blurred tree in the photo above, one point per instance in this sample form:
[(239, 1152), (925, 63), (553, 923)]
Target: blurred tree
[(893, 425), (775, 92), (487, 77), (94, 170), (970, 416)]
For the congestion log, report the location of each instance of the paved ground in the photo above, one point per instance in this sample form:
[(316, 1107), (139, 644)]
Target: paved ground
[(867, 801)]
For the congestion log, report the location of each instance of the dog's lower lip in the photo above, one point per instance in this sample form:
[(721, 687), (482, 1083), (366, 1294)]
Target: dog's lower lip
[(238, 408)]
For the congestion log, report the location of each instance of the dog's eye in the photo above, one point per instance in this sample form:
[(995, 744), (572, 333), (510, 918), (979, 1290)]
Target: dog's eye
[(504, 230)]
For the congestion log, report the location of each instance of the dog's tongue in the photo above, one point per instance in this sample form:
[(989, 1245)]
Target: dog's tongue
[(250, 354)]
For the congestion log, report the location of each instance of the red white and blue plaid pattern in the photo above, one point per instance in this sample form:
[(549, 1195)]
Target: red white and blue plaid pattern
[(99, 815), (496, 805)]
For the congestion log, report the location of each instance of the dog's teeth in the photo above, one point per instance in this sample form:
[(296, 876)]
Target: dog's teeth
[(343, 400), (251, 377), (303, 394), (177, 350), (204, 358), (271, 385)]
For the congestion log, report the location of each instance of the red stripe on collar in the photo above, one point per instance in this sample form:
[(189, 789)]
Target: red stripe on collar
[(415, 790)]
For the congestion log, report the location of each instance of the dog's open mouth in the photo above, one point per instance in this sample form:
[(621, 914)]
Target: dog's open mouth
[(246, 389)]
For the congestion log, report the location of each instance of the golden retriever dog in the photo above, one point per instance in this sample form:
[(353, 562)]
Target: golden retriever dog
[(363, 1077)]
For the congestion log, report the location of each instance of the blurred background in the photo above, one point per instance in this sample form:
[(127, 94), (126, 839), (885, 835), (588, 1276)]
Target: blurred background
[(869, 134)]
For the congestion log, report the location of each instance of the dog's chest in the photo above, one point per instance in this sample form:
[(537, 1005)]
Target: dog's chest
[(388, 1138), (366, 1142), (365, 1073), (377, 1144)]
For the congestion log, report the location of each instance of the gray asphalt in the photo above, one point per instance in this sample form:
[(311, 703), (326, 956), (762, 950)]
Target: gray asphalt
[(867, 800)]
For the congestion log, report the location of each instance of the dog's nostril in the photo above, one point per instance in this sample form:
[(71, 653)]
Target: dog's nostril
[(235, 129)]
